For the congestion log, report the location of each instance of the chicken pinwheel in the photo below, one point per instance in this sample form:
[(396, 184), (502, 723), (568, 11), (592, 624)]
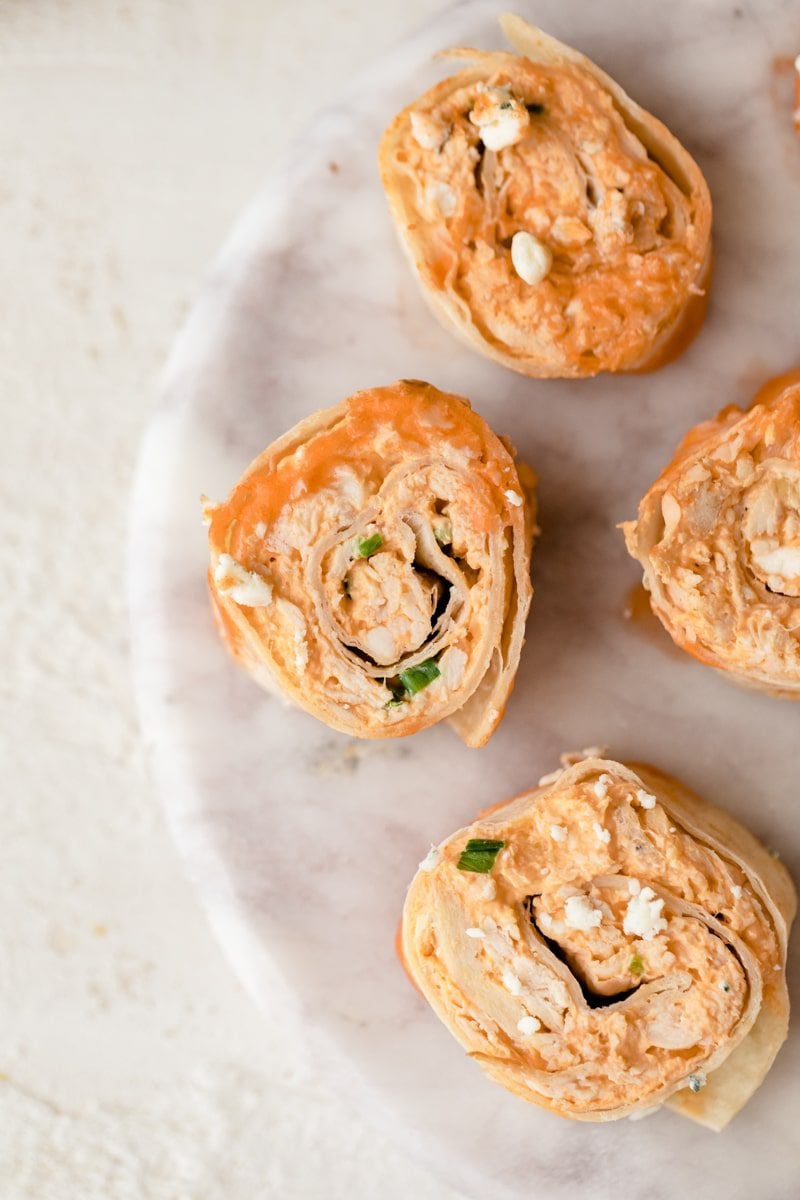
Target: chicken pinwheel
[(718, 536), (553, 224), (607, 943), (373, 565)]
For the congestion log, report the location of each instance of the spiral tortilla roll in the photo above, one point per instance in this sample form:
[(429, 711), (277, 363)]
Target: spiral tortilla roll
[(606, 943), (374, 565), (718, 536), (553, 224)]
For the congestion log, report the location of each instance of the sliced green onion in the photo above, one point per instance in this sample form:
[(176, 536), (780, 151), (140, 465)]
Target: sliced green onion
[(369, 545), (414, 679), (443, 532), (479, 854), (636, 966)]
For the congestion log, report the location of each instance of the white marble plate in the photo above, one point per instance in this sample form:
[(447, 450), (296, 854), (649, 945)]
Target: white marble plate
[(301, 842)]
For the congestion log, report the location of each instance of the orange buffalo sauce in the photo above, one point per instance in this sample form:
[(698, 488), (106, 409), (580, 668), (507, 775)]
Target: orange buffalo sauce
[(704, 430), (691, 322), (279, 477), (773, 387)]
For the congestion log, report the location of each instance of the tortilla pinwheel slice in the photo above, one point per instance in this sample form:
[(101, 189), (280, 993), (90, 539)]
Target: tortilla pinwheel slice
[(553, 224), (373, 565), (718, 536), (607, 943)]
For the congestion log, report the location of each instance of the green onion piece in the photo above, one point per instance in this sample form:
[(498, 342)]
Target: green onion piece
[(414, 679), (368, 546), (479, 854), (443, 532), (636, 966)]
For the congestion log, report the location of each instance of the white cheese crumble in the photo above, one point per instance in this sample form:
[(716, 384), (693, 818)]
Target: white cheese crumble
[(634, 887), (737, 891), (645, 798), (426, 131), (529, 1025), (603, 835), (501, 119), (580, 913), (240, 585), (511, 982), (430, 860), (530, 258), (489, 889), (514, 498), (643, 916), (473, 932), (697, 1080), (558, 833), (600, 787)]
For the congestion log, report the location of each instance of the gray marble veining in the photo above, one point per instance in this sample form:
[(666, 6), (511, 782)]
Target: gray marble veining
[(301, 842)]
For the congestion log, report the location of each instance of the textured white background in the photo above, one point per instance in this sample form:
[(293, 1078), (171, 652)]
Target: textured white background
[(131, 1063)]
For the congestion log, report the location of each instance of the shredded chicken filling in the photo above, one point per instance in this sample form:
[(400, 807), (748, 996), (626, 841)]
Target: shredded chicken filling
[(630, 952), (771, 528), (543, 150), (726, 559), (402, 574)]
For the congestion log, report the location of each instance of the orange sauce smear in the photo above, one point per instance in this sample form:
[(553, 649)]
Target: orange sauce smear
[(270, 486), (687, 329), (773, 387)]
